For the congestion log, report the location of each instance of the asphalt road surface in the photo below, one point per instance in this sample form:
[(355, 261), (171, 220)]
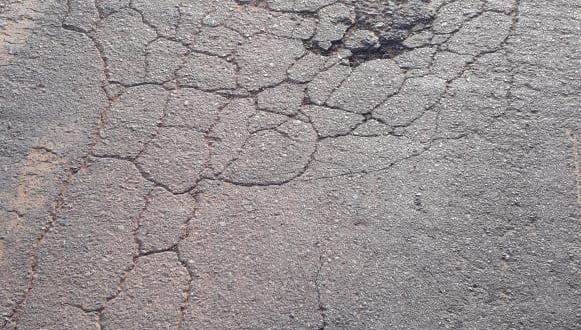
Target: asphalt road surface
[(290, 164)]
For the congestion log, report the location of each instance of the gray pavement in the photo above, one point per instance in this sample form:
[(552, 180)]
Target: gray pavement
[(290, 164)]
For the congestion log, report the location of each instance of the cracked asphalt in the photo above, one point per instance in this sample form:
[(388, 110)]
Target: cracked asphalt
[(290, 164)]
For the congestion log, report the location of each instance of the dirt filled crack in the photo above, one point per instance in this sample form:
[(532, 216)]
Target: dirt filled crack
[(14, 316), (184, 263)]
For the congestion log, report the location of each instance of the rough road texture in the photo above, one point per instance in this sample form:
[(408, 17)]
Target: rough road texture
[(290, 164)]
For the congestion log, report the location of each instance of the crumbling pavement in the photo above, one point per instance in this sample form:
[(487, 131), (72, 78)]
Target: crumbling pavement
[(289, 164)]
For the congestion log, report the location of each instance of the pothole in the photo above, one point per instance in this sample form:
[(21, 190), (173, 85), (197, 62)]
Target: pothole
[(378, 31), (381, 27), (392, 21)]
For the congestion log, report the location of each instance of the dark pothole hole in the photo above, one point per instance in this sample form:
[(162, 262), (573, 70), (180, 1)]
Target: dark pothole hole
[(379, 29)]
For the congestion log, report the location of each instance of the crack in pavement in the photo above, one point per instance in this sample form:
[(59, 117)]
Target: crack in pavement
[(322, 102), (322, 307), (576, 161)]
